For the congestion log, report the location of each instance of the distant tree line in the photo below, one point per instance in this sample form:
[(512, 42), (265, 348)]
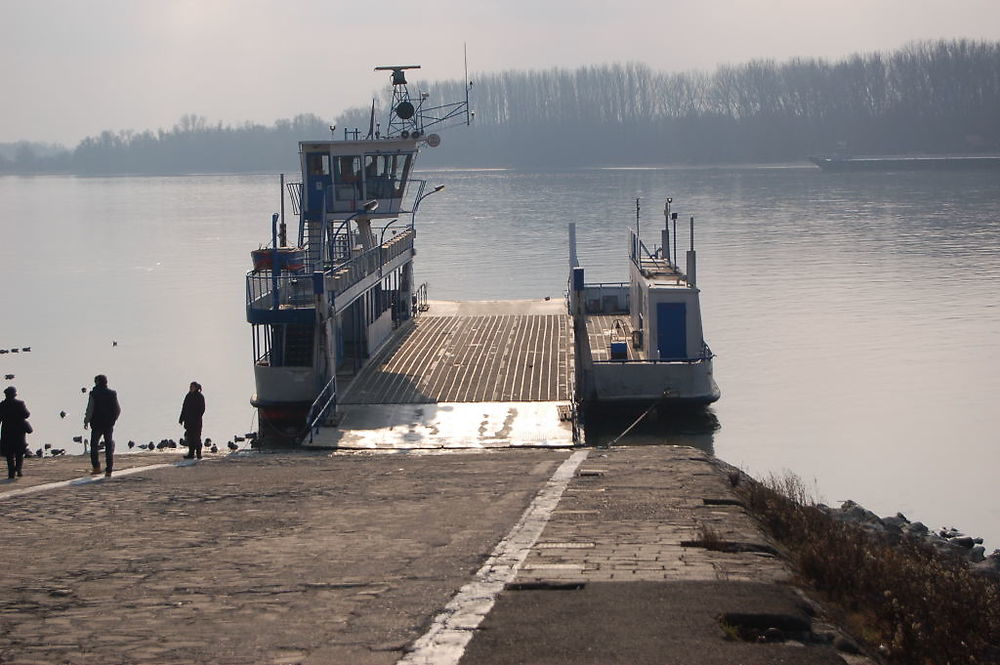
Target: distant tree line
[(927, 97), (193, 145)]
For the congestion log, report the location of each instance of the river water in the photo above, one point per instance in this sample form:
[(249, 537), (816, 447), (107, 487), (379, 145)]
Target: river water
[(855, 317)]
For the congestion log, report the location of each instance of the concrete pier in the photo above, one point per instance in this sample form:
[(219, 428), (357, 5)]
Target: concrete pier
[(471, 556)]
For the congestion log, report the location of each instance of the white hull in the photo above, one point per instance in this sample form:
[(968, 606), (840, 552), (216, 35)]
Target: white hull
[(689, 383), (276, 385)]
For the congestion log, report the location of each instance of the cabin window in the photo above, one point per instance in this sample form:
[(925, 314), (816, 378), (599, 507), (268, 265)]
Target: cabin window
[(403, 164), (319, 163), (385, 175), (347, 174)]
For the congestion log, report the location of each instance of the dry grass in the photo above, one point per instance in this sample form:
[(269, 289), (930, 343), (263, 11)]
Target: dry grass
[(710, 538), (906, 601)]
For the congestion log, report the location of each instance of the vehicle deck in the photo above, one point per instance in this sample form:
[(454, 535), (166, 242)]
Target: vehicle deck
[(476, 353), (602, 329), (471, 374)]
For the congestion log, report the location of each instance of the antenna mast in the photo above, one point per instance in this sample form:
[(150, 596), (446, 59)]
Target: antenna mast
[(409, 118), (403, 116)]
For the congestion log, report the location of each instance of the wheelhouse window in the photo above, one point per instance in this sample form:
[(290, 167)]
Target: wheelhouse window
[(347, 175), (319, 163), (385, 175)]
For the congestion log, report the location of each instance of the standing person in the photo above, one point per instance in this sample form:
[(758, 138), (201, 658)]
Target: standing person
[(13, 428), (102, 413), (191, 412)]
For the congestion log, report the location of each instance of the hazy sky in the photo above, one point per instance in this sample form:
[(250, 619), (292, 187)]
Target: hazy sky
[(71, 68)]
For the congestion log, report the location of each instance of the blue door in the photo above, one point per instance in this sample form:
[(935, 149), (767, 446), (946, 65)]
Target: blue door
[(671, 330), (317, 187)]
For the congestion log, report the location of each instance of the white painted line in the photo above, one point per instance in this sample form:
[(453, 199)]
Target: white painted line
[(86, 480), (444, 643)]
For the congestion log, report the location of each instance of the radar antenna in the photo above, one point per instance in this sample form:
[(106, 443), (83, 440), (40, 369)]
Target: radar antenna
[(411, 120)]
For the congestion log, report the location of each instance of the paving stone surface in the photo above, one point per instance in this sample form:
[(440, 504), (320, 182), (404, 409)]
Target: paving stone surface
[(38, 471), (647, 552), (639, 514), (277, 558), (303, 558)]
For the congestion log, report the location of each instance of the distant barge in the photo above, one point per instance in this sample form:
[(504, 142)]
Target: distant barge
[(921, 163)]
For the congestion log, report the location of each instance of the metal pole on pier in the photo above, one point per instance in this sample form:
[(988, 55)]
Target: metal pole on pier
[(692, 276), (282, 237), (275, 266), (665, 239), (674, 217), (637, 219)]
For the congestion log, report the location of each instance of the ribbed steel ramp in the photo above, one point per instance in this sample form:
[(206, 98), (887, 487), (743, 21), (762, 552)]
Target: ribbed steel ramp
[(476, 374)]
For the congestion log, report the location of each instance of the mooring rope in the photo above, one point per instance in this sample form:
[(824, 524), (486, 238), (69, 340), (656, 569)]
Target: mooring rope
[(632, 426)]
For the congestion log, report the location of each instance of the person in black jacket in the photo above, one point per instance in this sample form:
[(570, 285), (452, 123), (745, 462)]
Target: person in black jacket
[(191, 412), (13, 428), (102, 413)]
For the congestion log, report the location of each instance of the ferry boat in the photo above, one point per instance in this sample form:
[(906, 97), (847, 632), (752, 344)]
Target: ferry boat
[(321, 304), (641, 342)]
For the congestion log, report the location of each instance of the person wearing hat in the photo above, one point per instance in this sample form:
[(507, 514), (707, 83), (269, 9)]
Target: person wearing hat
[(191, 412), (13, 428)]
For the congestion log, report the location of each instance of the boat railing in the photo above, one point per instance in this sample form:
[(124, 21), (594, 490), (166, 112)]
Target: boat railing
[(348, 273), (605, 286), (638, 250), (266, 291), (340, 249), (295, 195), (705, 356), (605, 297), (420, 303), (654, 261), (397, 244), (320, 408)]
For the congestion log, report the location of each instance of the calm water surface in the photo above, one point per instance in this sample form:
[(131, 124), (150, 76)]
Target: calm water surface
[(856, 318)]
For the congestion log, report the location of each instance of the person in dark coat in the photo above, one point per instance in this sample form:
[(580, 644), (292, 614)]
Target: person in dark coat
[(102, 414), (191, 412), (13, 428)]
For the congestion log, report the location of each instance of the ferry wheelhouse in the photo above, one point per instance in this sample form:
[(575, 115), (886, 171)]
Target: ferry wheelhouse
[(321, 305)]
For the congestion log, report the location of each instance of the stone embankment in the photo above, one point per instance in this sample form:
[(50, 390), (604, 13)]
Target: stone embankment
[(947, 541)]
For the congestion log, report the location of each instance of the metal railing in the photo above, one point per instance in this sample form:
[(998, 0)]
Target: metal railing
[(397, 244), (266, 291), (706, 355), (420, 303), (596, 295), (295, 195), (640, 255), (320, 408), (348, 273)]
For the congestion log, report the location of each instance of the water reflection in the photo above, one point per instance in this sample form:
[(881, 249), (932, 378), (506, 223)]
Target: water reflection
[(662, 424), (855, 319)]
